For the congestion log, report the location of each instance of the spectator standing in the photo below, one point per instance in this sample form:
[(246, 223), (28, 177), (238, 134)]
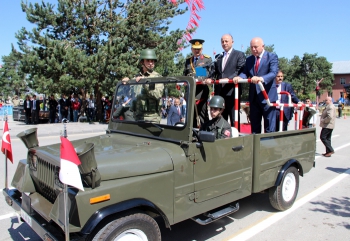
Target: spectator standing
[(340, 109), (64, 105), (53, 108), (310, 115), (327, 122), (15, 101), (35, 108), (91, 104), (27, 109), (75, 107), (175, 114)]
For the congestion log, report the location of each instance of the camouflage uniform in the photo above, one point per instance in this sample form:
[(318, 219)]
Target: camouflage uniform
[(147, 106), (219, 126), (202, 91)]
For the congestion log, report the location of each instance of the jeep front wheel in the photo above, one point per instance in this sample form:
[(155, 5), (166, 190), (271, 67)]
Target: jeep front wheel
[(135, 227), (283, 196)]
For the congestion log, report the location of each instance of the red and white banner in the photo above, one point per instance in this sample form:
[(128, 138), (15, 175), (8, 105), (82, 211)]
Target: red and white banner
[(6, 142), (69, 172)]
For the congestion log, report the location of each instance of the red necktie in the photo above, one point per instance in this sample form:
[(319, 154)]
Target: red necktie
[(257, 63)]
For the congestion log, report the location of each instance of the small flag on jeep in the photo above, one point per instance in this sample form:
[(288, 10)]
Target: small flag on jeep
[(6, 142), (69, 172)]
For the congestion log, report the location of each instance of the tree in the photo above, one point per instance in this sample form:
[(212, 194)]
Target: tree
[(12, 79), (89, 45)]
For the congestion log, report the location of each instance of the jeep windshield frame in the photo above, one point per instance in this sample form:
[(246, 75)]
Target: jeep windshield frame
[(143, 108)]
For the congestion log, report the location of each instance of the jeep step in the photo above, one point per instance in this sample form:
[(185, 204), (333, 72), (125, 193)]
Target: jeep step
[(207, 218)]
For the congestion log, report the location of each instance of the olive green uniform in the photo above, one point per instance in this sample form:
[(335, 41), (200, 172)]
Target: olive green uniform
[(125, 111), (219, 126), (147, 106), (202, 91)]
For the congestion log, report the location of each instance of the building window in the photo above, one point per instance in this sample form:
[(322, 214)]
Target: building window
[(342, 81)]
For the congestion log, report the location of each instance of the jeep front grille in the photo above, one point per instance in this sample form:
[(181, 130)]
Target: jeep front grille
[(46, 173)]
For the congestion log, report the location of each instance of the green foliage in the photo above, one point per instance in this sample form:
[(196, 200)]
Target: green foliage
[(12, 79), (87, 46)]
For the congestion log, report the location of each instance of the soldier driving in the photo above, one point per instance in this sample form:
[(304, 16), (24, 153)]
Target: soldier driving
[(202, 91), (217, 124)]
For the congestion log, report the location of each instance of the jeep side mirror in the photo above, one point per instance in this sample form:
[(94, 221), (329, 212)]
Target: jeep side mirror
[(206, 136)]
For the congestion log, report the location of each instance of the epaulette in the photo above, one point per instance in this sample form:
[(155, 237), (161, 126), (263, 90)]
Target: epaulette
[(207, 56)]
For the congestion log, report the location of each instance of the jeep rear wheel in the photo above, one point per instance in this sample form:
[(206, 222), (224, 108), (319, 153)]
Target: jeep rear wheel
[(135, 227), (283, 196)]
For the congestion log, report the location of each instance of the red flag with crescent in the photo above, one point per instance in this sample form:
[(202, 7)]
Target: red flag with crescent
[(6, 142)]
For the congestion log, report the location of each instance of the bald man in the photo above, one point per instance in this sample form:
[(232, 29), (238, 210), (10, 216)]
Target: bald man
[(261, 66)]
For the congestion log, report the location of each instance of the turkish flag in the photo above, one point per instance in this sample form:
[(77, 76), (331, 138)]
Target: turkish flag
[(6, 142), (69, 171)]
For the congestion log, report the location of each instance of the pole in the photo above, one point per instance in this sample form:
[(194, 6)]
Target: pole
[(65, 192), (6, 172)]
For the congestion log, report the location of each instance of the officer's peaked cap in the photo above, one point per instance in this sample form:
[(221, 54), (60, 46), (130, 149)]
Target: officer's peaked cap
[(197, 43)]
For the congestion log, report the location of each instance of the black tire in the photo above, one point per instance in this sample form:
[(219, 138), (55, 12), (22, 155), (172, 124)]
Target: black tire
[(283, 196), (137, 225)]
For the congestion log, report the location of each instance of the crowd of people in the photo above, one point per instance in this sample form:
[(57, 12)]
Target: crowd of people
[(72, 108)]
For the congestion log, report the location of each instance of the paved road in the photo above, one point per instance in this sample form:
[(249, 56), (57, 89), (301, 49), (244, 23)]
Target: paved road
[(321, 211)]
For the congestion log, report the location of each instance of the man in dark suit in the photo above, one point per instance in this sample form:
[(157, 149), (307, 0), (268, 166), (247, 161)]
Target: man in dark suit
[(64, 105), (261, 66), (228, 65), (282, 98), (35, 108), (197, 59), (27, 109), (174, 114)]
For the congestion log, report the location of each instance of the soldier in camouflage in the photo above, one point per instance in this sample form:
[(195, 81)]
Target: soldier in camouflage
[(202, 91), (217, 124), (147, 106)]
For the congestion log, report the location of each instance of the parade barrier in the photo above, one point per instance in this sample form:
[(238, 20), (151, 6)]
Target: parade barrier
[(300, 107)]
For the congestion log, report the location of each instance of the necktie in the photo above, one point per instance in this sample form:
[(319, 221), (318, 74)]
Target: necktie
[(225, 60), (257, 63), (34, 106), (178, 110), (195, 60)]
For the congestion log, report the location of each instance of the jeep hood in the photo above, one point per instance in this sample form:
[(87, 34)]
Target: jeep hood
[(119, 156)]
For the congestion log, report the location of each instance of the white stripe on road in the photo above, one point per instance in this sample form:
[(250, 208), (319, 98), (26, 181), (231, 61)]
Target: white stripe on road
[(9, 215), (273, 218)]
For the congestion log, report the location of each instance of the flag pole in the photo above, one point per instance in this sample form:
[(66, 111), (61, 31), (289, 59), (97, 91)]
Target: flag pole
[(65, 191), (6, 182)]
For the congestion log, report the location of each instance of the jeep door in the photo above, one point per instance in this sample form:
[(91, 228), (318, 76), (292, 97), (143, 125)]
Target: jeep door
[(222, 167)]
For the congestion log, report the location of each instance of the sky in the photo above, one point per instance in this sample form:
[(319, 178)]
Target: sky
[(294, 27)]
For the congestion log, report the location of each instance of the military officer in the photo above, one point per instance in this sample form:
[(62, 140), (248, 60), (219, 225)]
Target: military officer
[(202, 91), (217, 124)]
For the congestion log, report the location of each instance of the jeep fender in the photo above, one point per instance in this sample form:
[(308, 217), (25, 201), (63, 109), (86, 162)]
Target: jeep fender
[(101, 214), (289, 163)]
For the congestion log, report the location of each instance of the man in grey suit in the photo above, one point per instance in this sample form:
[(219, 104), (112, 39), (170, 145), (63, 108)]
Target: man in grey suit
[(261, 66), (229, 64)]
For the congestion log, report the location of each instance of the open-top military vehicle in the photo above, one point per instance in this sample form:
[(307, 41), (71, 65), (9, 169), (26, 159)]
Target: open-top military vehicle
[(143, 168)]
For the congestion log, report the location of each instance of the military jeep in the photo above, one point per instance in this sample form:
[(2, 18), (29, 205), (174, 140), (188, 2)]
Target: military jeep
[(143, 168)]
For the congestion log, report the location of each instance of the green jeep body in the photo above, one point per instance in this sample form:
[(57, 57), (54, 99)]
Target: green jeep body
[(149, 169)]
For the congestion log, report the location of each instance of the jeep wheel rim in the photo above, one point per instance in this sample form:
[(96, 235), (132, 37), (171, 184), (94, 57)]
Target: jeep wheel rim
[(288, 188), (132, 235)]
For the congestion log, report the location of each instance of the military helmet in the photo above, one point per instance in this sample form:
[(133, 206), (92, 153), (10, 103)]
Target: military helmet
[(148, 54), (217, 102)]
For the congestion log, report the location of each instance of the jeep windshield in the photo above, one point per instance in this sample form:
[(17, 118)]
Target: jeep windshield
[(151, 103)]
